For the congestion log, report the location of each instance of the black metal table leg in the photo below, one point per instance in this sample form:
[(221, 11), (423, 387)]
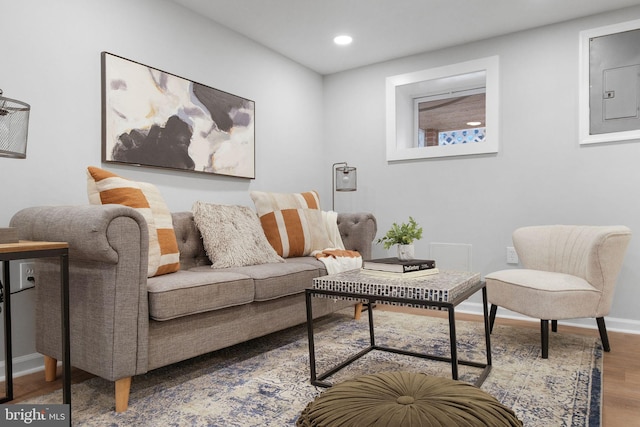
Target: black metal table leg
[(453, 343), (372, 337), (8, 355), (312, 349), (66, 339), (487, 326)]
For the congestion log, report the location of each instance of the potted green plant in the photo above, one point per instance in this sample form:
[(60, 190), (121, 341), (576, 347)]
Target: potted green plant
[(402, 235)]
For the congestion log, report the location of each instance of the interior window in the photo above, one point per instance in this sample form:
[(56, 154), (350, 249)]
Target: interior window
[(444, 111)]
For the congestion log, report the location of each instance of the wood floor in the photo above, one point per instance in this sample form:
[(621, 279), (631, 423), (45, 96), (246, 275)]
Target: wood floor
[(621, 376)]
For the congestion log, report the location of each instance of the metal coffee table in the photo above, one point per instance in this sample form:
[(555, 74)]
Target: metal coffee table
[(444, 290)]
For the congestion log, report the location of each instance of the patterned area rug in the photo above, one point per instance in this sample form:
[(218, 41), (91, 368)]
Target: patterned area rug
[(265, 382)]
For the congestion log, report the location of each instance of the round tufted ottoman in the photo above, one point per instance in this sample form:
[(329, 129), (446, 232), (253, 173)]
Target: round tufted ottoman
[(405, 399)]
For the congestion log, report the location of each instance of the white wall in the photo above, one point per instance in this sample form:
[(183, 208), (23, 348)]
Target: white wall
[(50, 58), (540, 176), (53, 62)]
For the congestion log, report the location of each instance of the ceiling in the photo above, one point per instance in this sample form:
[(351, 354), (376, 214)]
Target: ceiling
[(303, 30)]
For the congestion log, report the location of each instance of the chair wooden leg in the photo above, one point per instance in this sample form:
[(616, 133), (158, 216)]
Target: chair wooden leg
[(544, 333), (50, 368), (603, 334), (123, 387), (554, 326), (357, 311), (492, 316)]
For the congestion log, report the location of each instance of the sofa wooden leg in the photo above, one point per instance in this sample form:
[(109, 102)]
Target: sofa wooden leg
[(357, 311), (50, 368), (123, 386)]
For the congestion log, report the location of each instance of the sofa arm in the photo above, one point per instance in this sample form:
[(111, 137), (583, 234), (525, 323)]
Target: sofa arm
[(358, 231), (108, 257)]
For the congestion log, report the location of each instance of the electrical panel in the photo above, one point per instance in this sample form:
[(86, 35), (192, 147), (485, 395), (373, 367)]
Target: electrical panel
[(614, 80)]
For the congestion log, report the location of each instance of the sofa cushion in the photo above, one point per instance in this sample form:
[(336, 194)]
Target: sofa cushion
[(104, 187), (196, 291), (312, 261), (232, 236), (277, 280)]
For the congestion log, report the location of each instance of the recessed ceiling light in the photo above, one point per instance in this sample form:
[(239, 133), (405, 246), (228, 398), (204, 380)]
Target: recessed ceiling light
[(474, 123), (343, 40)]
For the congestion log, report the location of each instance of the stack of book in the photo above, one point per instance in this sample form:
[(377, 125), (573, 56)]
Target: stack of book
[(393, 267)]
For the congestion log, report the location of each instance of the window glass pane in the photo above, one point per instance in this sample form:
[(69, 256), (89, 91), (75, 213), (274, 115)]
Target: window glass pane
[(448, 119)]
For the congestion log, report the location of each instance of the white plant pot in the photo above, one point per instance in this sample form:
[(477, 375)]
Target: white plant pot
[(406, 252)]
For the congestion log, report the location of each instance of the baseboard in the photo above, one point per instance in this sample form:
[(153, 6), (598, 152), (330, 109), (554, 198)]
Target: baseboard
[(24, 365), (614, 324)]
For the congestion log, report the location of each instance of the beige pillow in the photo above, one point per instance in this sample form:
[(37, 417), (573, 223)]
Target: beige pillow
[(232, 236), (104, 187)]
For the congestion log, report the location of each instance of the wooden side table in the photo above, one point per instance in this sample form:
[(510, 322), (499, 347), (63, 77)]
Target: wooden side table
[(28, 250)]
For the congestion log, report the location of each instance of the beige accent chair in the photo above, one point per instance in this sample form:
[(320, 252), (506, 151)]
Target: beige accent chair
[(569, 272)]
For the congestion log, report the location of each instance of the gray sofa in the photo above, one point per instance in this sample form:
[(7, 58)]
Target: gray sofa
[(123, 324)]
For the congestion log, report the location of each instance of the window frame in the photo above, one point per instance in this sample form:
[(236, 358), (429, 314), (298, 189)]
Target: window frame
[(401, 90)]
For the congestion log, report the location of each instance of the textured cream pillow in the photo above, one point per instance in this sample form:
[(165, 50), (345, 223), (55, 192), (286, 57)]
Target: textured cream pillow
[(232, 236), (104, 187)]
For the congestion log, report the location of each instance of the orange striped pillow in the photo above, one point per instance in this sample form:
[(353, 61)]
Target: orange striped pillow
[(105, 187), (269, 202), (295, 232), (292, 222)]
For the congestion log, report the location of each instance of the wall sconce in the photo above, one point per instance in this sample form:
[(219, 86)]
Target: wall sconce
[(344, 179), (14, 123)]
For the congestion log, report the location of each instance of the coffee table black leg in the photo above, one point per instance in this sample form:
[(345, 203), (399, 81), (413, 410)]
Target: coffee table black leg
[(372, 337), (312, 349), (487, 326), (453, 343)]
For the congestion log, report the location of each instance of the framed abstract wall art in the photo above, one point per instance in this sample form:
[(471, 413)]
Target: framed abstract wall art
[(154, 118)]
